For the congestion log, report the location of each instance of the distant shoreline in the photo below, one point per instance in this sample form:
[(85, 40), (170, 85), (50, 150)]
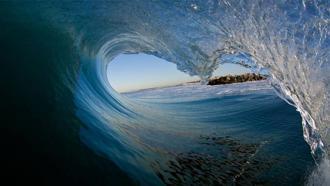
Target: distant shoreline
[(228, 79)]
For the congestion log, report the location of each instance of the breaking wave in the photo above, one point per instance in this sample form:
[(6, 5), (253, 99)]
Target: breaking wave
[(288, 39)]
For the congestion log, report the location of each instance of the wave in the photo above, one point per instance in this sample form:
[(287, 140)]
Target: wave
[(288, 39)]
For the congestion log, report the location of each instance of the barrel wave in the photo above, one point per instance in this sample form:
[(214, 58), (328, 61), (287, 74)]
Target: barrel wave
[(288, 39)]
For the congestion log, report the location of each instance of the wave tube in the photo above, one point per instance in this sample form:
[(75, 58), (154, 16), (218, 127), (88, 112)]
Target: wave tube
[(288, 38)]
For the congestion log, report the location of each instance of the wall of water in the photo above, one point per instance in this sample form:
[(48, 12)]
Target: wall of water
[(288, 38)]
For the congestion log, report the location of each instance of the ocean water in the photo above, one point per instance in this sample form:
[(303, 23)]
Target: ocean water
[(63, 124), (238, 134)]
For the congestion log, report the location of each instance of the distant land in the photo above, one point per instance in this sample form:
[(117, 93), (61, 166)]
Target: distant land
[(236, 79), (228, 79)]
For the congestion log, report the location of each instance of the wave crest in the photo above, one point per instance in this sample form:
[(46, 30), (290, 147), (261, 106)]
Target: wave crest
[(288, 38)]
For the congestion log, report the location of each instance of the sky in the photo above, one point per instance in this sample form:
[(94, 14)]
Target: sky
[(129, 72)]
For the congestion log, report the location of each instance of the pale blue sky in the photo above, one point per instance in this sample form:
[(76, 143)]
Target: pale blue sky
[(129, 72)]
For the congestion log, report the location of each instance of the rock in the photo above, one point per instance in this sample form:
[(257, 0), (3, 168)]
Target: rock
[(236, 79)]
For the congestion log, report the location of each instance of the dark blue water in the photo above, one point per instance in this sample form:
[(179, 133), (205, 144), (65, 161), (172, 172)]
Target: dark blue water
[(246, 137)]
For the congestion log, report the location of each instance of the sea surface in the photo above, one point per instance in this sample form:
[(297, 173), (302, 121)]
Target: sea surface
[(238, 134)]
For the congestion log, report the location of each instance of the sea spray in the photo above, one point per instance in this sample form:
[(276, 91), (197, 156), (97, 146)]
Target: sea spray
[(320, 175)]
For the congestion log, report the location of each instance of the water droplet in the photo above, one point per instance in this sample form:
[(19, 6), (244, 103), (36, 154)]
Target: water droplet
[(194, 6)]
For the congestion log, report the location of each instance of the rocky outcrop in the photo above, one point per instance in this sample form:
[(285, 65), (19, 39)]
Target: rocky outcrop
[(236, 79)]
